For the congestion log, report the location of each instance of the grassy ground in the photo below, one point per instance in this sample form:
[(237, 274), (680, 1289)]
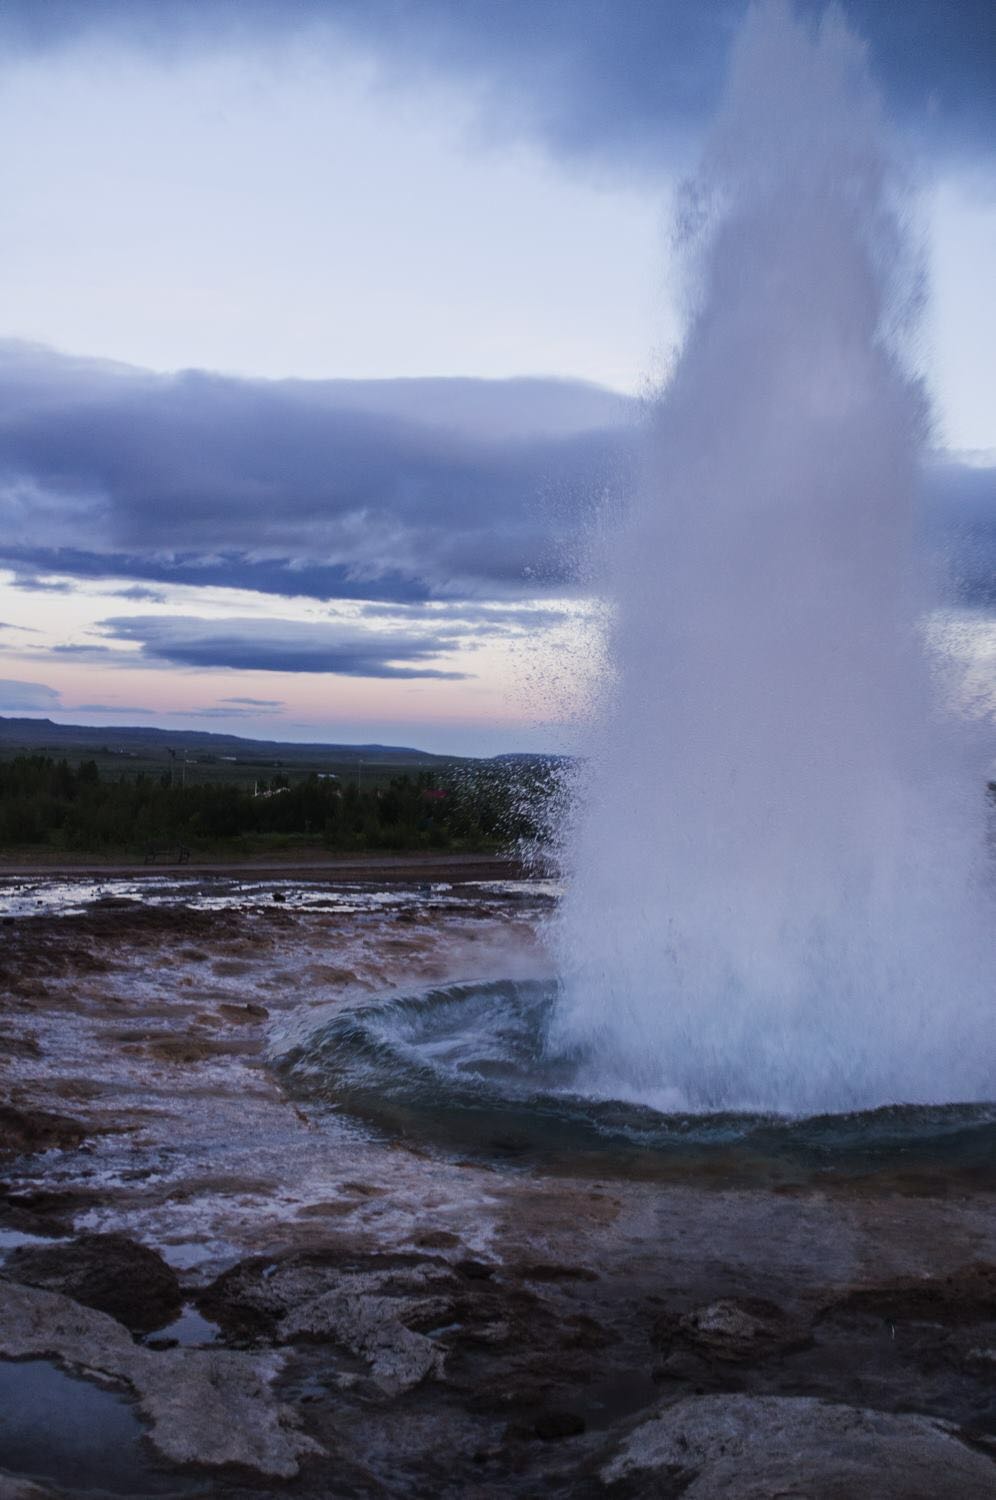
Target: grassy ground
[(276, 850), (234, 765)]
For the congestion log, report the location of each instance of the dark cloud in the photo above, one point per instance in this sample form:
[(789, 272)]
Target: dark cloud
[(85, 653), (428, 503), (96, 655), (31, 583), (588, 77), (31, 697), (630, 78), (385, 490), (262, 645), (255, 702), (110, 708), (470, 618), (139, 594), (219, 712), (223, 569)]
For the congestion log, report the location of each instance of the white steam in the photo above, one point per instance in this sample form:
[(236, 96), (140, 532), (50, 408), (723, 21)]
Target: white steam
[(776, 884)]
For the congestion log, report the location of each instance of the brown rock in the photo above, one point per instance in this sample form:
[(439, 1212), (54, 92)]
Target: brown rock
[(551, 1426), (543, 1272), (109, 1272), (37, 1130), (732, 1328), (965, 1296)]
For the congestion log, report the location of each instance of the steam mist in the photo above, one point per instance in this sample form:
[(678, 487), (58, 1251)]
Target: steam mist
[(776, 859)]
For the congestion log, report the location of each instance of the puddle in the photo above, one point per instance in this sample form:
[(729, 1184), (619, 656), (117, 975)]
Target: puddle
[(189, 1255), (94, 1445), (13, 1239), (189, 1329)]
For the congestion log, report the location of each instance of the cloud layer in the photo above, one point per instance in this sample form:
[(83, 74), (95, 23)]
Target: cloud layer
[(285, 646), (384, 490), (592, 77), (27, 697), (389, 492), (393, 492)]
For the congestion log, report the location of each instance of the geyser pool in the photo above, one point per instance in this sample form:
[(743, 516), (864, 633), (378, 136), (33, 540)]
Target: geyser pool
[(776, 873), (463, 1067), (777, 932)]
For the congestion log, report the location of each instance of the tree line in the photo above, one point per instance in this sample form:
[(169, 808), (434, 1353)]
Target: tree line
[(75, 807)]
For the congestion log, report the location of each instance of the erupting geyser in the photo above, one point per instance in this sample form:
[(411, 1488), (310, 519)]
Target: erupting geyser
[(776, 887)]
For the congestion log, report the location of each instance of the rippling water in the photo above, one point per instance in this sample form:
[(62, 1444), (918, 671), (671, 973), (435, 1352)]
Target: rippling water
[(469, 1069)]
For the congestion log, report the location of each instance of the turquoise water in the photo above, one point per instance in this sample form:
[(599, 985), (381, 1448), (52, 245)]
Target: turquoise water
[(469, 1069)]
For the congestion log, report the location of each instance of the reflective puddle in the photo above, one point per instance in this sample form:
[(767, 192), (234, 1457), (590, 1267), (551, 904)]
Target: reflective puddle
[(56, 1427)]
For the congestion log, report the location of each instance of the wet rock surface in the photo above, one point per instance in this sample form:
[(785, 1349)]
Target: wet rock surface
[(109, 1272), (733, 1328), (209, 1408), (14, 1488), (24, 1130), (389, 1321), (969, 1296), (755, 1448), (373, 1307)]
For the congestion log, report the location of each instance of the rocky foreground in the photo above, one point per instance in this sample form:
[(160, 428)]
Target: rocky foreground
[(283, 1301)]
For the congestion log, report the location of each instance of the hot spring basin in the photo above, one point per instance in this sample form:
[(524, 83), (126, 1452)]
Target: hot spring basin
[(466, 1068)]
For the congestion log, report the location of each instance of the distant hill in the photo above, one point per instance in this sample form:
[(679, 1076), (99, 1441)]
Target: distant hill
[(532, 758), (202, 756), (44, 735), (199, 755)]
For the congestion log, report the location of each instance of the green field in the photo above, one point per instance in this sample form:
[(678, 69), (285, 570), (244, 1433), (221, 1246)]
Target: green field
[(72, 791), (191, 757)]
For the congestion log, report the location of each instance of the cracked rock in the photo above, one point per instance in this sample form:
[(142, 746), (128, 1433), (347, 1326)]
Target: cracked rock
[(371, 1327)]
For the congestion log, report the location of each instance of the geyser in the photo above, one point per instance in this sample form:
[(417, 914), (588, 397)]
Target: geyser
[(776, 887)]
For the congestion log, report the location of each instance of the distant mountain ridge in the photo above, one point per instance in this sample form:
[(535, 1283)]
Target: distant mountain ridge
[(45, 734)]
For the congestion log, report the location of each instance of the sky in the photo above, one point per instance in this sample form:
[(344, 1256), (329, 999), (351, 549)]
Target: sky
[(325, 326)]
